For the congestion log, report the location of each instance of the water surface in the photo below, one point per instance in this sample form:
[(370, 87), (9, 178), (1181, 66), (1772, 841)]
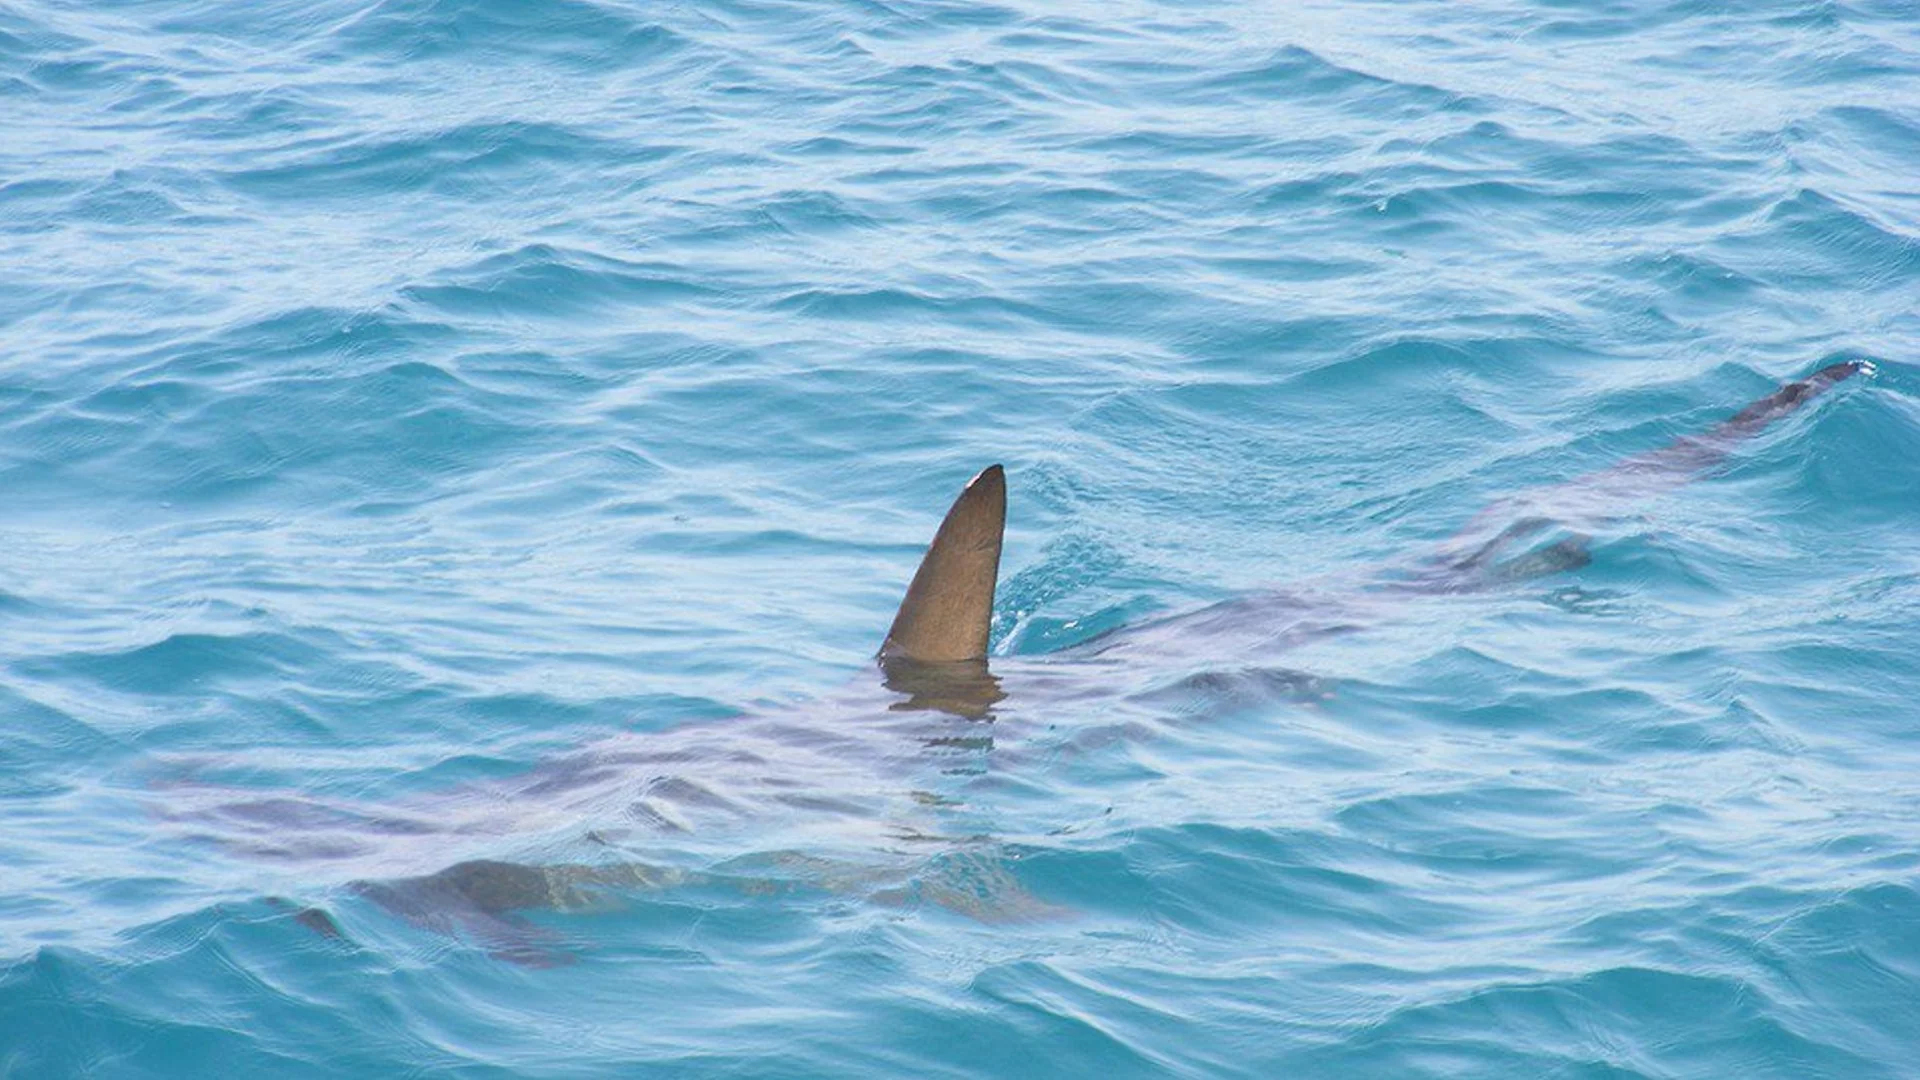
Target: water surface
[(401, 399)]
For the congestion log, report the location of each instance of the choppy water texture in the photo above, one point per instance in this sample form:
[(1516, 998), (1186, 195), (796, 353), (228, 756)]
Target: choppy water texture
[(493, 436)]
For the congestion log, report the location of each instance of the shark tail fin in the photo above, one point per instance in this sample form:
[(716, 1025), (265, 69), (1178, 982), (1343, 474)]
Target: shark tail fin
[(949, 607), (1786, 399), (1690, 454)]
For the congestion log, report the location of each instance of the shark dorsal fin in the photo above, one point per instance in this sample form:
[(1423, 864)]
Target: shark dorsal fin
[(950, 603)]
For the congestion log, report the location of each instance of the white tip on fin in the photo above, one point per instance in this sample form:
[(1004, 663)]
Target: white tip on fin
[(949, 606)]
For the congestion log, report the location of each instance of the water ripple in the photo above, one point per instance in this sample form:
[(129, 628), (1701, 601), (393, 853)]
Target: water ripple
[(459, 459)]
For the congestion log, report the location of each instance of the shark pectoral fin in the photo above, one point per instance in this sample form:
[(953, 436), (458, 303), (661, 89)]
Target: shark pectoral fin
[(949, 606)]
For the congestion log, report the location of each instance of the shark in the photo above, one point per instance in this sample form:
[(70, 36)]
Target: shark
[(855, 789)]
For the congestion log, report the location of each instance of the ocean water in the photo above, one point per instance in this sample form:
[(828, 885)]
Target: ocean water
[(458, 458)]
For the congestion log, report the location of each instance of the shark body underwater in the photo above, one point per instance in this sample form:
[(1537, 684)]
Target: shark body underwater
[(849, 787)]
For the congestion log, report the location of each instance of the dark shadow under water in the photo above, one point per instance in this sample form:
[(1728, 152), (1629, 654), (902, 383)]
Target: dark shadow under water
[(654, 811)]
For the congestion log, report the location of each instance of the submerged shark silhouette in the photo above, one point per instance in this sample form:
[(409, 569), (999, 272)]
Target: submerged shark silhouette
[(644, 800)]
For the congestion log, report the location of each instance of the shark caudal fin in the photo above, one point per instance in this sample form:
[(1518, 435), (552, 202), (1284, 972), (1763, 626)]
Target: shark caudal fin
[(949, 606), (1527, 545), (1786, 399), (1692, 453)]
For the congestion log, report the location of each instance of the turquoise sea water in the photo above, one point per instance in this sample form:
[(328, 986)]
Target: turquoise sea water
[(458, 457)]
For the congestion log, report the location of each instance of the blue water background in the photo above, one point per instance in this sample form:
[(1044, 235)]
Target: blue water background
[(395, 395)]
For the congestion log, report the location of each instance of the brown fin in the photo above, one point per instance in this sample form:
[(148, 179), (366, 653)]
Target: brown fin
[(949, 606)]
